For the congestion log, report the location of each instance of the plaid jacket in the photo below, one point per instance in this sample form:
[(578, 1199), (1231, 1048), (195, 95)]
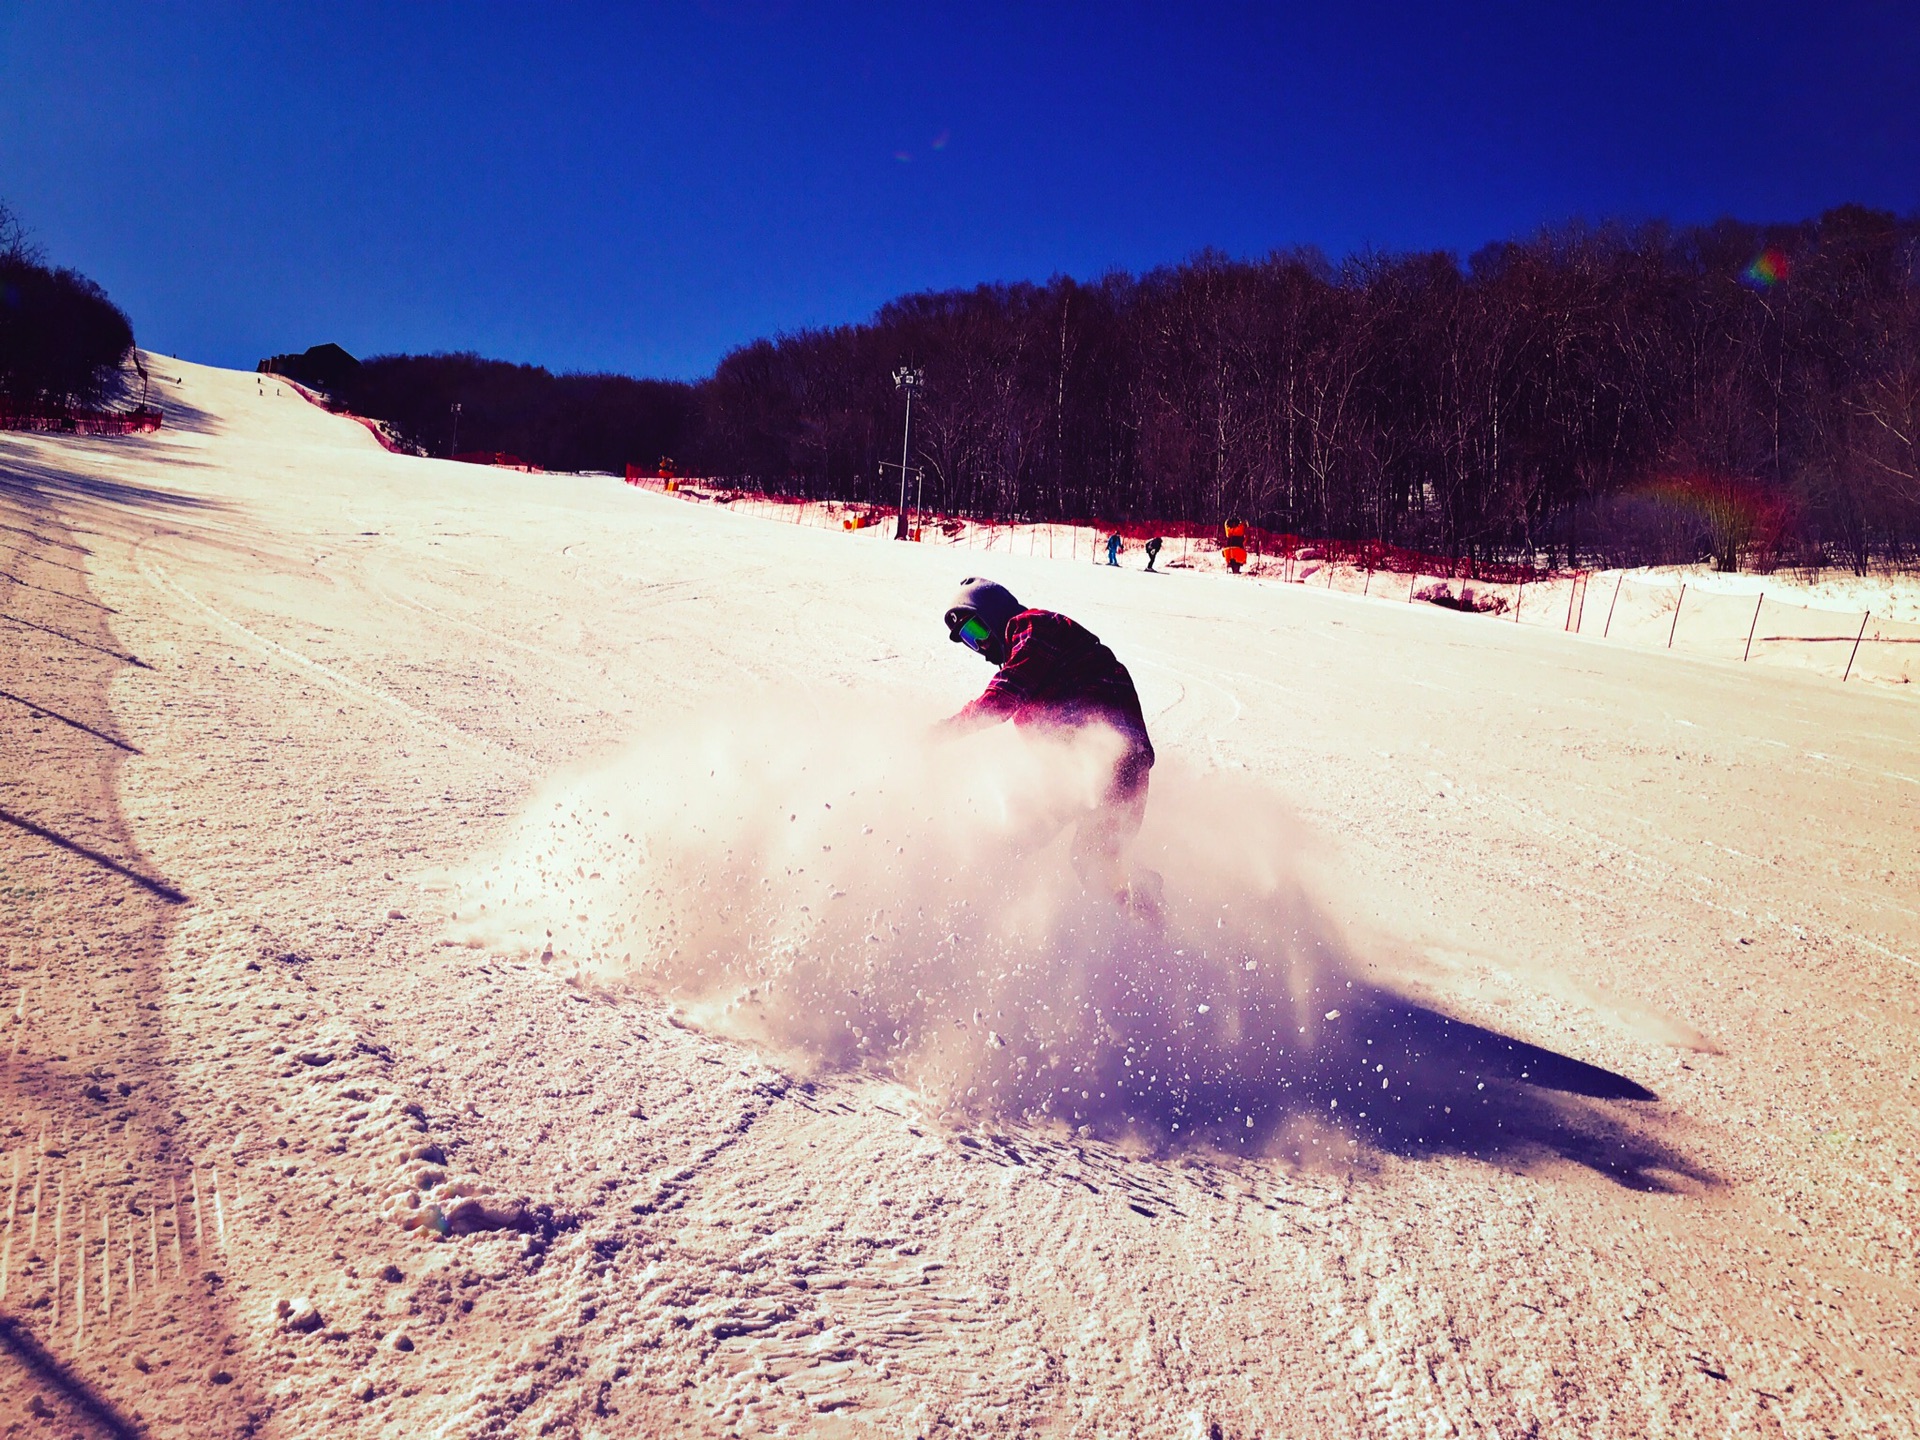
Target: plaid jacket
[(1058, 673)]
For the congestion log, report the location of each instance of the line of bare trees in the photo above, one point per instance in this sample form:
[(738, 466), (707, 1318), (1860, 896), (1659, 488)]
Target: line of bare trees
[(559, 422), (1596, 394), (62, 340)]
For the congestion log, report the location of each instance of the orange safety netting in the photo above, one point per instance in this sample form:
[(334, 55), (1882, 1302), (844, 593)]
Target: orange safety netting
[(63, 421)]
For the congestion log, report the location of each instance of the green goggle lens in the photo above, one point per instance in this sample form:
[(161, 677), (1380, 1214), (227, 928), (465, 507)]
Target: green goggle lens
[(973, 634)]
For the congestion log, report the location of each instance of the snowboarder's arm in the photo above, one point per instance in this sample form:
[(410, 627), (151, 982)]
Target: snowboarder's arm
[(990, 708), (1009, 690)]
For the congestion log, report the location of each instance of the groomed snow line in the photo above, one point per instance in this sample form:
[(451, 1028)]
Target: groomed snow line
[(505, 954)]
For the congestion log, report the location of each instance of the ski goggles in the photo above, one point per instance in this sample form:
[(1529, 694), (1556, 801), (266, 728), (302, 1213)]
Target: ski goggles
[(973, 634)]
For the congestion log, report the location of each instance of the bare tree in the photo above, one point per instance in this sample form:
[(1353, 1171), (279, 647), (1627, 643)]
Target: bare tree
[(1547, 398)]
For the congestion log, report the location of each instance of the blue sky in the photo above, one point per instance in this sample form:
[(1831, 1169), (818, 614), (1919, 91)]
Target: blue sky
[(641, 187)]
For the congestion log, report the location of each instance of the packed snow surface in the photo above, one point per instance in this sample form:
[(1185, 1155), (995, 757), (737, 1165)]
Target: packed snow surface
[(507, 954)]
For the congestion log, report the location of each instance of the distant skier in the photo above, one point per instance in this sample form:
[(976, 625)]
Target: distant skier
[(1113, 549), (1153, 552), (1234, 548), (1056, 675)]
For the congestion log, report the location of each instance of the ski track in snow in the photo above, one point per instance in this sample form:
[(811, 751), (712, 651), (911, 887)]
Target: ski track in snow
[(578, 1184), (355, 689)]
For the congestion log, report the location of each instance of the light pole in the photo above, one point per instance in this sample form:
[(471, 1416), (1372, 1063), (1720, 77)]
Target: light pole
[(456, 428), (909, 380)]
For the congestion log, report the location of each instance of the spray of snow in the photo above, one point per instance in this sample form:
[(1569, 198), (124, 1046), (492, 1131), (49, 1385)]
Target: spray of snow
[(852, 893)]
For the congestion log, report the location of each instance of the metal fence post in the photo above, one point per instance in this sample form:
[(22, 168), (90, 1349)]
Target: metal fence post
[(1856, 646), (1607, 628), (1674, 628), (1745, 654)]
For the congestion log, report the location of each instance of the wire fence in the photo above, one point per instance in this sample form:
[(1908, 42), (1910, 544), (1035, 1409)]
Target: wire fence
[(1847, 645), (1669, 615), (1609, 606)]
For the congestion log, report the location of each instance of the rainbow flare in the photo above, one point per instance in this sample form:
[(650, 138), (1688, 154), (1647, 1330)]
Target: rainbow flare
[(1769, 268)]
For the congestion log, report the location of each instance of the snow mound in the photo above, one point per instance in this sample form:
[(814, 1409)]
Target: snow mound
[(848, 891)]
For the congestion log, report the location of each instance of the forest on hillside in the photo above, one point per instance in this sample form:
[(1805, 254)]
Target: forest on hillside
[(62, 341), (1613, 393), (1597, 394), (558, 422)]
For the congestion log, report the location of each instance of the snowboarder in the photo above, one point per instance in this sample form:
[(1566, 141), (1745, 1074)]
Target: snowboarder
[(1113, 549), (1234, 548), (1153, 552), (1057, 675)]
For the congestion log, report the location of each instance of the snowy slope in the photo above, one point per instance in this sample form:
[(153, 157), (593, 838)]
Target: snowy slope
[(1456, 896)]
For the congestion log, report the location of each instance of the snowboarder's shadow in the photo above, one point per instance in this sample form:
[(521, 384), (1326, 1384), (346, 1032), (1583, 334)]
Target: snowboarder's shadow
[(1371, 1071)]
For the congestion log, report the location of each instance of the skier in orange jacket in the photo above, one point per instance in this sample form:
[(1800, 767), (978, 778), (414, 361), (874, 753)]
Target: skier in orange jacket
[(1234, 549)]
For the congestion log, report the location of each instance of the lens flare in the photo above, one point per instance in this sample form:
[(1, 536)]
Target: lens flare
[(1737, 516), (903, 156), (939, 142), (1769, 268)]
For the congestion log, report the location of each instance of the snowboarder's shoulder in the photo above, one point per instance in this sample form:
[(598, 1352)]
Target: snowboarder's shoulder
[(1049, 630), (1044, 623)]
